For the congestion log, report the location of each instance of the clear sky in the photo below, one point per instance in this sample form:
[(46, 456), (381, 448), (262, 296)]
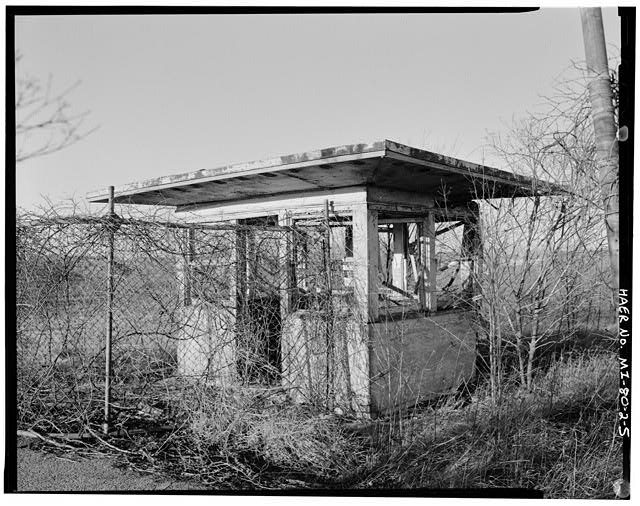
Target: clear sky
[(172, 94)]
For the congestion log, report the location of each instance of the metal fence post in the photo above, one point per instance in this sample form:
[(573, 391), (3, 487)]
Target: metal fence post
[(109, 329), (330, 394), (188, 266)]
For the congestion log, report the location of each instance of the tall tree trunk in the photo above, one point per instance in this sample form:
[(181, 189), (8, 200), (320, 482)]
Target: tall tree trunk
[(605, 130)]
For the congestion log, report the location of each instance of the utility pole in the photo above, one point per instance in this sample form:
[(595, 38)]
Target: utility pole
[(601, 99)]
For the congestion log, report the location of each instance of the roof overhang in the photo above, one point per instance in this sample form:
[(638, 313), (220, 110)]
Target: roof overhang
[(385, 164)]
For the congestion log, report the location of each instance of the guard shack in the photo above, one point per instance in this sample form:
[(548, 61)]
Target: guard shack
[(400, 328)]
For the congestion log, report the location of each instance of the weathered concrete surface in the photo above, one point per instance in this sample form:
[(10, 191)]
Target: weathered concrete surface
[(382, 164), (408, 361), (206, 346), (414, 359), (305, 355)]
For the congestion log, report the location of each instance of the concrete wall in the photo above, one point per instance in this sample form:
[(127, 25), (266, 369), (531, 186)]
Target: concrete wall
[(305, 372), (206, 346), (417, 358), (409, 360)]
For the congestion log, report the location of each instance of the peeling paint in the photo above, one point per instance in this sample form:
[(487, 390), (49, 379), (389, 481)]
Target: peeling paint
[(336, 167)]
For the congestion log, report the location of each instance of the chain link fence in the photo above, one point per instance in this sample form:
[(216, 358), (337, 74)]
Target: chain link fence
[(178, 304), (257, 305)]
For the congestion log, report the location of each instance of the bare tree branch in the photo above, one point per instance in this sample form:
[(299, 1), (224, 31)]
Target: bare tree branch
[(45, 120)]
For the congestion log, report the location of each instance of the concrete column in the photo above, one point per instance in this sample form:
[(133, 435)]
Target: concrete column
[(365, 261), (432, 263), (223, 322), (365, 282), (399, 266), (287, 271), (428, 263), (471, 250)]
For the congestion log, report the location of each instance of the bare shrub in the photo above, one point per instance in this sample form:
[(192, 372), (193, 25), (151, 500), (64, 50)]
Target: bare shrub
[(542, 277), (558, 437), (273, 434)]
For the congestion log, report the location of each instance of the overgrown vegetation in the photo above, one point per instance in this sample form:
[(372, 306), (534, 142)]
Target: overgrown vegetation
[(544, 438), (558, 437), (556, 434), (541, 413)]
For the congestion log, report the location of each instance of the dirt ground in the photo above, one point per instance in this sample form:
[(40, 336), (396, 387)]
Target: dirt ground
[(44, 472)]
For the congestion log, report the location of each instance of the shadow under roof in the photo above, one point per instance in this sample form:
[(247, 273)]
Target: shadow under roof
[(385, 164)]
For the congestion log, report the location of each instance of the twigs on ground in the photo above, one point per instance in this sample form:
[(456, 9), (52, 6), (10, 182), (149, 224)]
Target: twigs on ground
[(48, 440)]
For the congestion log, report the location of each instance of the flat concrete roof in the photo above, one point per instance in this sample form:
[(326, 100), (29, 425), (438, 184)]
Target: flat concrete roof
[(385, 164)]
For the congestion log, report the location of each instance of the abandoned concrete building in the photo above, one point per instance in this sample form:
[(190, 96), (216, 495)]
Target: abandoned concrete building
[(398, 336)]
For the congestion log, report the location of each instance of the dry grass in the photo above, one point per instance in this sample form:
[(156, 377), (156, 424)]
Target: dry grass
[(272, 436), (558, 438)]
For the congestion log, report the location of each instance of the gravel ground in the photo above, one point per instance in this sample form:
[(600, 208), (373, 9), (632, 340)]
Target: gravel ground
[(43, 472)]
